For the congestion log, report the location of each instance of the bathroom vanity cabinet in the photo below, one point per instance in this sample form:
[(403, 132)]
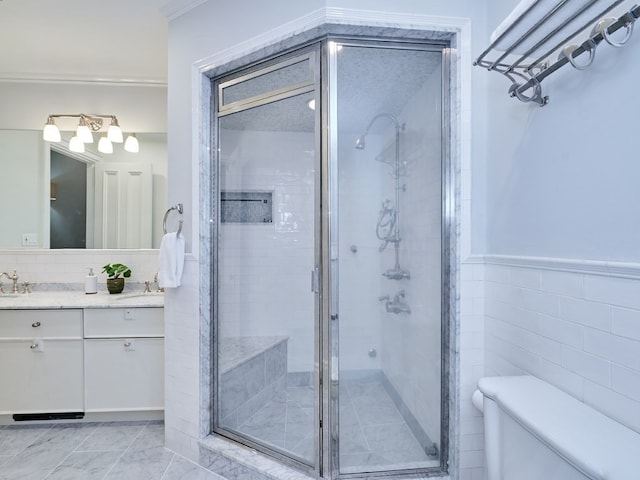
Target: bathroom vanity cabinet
[(124, 359), (41, 361), (66, 361)]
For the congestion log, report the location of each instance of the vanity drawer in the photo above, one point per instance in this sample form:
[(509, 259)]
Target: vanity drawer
[(123, 322), (40, 323)]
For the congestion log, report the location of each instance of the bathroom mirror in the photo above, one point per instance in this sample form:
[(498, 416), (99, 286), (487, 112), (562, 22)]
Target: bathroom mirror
[(41, 198)]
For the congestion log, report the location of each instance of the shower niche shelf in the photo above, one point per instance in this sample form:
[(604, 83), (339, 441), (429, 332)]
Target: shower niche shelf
[(539, 37)]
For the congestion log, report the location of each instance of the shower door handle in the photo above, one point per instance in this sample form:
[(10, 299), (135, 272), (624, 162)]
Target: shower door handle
[(315, 280)]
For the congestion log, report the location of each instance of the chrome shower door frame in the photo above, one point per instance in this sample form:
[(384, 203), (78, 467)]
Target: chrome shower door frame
[(330, 324), (219, 110)]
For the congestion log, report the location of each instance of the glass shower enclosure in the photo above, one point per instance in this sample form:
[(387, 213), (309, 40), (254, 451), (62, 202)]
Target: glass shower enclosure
[(330, 257)]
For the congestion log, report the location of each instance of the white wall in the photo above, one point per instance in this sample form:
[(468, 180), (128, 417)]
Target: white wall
[(209, 30), (139, 108), (562, 179)]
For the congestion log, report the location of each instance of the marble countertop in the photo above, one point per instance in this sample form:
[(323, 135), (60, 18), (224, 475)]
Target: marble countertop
[(78, 299)]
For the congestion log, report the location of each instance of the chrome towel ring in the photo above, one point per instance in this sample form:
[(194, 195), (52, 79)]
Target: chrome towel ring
[(178, 207)]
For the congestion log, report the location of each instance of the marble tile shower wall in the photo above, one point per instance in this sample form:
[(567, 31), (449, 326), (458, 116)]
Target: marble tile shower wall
[(579, 331), (47, 269)]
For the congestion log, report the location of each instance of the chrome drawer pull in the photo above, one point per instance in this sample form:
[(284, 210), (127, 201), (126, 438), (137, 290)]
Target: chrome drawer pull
[(127, 344), (33, 346), (35, 324)]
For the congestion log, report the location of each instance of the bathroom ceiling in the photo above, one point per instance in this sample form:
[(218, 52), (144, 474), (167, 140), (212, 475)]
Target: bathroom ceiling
[(110, 40)]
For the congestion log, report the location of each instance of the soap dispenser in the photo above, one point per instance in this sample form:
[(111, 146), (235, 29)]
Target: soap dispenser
[(91, 283)]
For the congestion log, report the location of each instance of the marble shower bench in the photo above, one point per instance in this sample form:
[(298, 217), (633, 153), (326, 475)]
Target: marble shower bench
[(253, 371)]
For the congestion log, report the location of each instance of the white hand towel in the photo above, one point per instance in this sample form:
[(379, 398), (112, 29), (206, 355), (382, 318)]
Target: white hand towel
[(171, 260)]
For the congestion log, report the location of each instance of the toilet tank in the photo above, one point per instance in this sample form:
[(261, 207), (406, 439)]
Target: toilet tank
[(533, 431)]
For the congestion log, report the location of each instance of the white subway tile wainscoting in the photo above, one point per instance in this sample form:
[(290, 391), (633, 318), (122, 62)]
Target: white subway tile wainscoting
[(575, 325)]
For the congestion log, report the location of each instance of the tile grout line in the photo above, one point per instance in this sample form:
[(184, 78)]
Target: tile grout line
[(173, 456), (69, 454), (125, 451)]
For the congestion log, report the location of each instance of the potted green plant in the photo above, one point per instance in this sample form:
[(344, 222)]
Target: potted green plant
[(116, 273)]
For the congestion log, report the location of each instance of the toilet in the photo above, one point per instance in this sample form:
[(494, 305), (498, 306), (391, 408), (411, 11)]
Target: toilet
[(534, 431)]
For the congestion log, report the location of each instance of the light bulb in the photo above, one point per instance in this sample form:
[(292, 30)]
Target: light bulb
[(114, 133), (105, 145), (76, 145), (51, 133), (83, 132), (132, 145)]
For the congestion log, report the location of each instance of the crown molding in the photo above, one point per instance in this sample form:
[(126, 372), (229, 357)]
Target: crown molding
[(173, 9), (16, 77)]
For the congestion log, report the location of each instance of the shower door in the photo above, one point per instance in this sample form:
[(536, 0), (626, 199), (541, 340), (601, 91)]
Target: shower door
[(388, 247), (330, 258), (266, 359)]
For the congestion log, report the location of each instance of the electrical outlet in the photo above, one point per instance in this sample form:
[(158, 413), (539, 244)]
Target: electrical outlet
[(29, 239)]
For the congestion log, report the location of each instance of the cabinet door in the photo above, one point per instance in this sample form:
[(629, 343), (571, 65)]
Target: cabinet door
[(124, 374), (45, 378)]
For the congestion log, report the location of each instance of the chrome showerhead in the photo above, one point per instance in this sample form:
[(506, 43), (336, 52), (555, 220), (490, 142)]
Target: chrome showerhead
[(360, 142)]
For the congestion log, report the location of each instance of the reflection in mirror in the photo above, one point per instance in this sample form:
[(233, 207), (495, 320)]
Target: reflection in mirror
[(54, 198)]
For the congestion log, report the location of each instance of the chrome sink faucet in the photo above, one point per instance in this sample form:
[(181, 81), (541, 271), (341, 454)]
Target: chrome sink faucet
[(13, 278), (155, 281)]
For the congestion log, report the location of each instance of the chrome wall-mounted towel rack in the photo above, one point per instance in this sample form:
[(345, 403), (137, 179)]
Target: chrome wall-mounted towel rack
[(537, 39), (178, 207)]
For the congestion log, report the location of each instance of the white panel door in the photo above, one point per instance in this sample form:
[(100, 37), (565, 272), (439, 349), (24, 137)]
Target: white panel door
[(123, 205)]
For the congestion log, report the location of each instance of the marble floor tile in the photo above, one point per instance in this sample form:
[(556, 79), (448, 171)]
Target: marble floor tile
[(14, 439), (182, 469), (112, 436), (141, 464), (85, 465), (100, 451)]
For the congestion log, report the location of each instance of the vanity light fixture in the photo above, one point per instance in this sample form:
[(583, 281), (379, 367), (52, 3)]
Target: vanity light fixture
[(105, 145), (83, 132), (51, 132), (132, 145), (76, 144), (87, 125)]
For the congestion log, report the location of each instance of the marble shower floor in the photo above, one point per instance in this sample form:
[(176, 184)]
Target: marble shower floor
[(373, 434), (93, 451)]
